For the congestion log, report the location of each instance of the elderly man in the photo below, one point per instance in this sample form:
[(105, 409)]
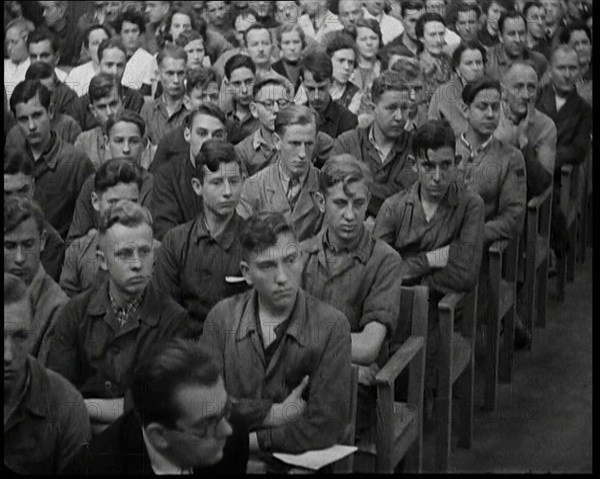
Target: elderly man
[(17, 63)]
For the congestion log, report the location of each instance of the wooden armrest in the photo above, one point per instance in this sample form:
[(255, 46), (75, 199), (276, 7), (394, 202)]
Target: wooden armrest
[(536, 202), (401, 358), (498, 247), (450, 301)]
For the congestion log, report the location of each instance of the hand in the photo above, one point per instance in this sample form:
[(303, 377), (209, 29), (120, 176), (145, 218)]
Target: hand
[(366, 374), (438, 258), (293, 406), (369, 223)]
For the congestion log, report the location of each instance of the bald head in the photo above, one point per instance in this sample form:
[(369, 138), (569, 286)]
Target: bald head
[(519, 70), (562, 51)]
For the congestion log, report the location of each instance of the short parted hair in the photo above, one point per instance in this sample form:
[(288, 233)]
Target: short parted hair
[(126, 116), (318, 64), (567, 31), (271, 80), (26, 91), (465, 8), (41, 34), (293, 115), (463, 47), (409, 69), (15, 291), (162, 372), (561, 48), (101, 85), (212, 153), (340, 40), (261, 231), (239, 60), (433, 135), (200, 77), (290, 27), (108, 44), (20, 208), (115, 171), (510, 14), (130, 16), (25, 25), (411, 5), (426, 18), (17, 161), (256, 26), (126, 213), (188, 36), (90, 29), (344, 169), (471, 89), (209, 109), (171, 51), (505, 4), (39, 71), (529, 5), (387, 81), (371, 24)]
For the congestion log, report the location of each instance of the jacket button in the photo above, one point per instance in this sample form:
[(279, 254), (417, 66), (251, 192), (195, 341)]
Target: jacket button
[(116, 350), (107, 384)]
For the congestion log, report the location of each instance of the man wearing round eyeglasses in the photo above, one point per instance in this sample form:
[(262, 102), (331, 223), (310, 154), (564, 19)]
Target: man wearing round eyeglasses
[(181, 422)]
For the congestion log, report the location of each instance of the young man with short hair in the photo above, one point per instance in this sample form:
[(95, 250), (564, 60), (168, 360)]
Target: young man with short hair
[(42, 47), (174, 200), (197, 259), (125, 139), (537, 40), (385, 144), (102, 334), (317, 20), (411, 11), (130, 26), (24, 241), (466, 24), (19, 180), (493, 9), (240, 76), (289, 185), (45, 422), (69, 39), (316, 73), (60, 169), (341, 49), (284, 354), (391, 27)]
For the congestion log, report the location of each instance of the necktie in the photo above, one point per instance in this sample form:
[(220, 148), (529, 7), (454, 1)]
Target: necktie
[(292, 194)]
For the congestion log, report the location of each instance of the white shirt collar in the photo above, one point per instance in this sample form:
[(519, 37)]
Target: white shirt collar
[(160, 464)]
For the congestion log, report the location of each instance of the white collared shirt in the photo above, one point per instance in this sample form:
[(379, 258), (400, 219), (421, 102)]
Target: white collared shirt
[(160, 464), (330, 23), (14, 74), (136, 68), (390, 27), (80, 77)]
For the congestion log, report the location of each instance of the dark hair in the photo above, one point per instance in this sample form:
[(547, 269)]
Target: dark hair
[(293, 115), (433, 135), (130, 16), (17, 161), (115, 171), (101, 85), (209, 109), (20, 208), (471, 89), (463, 47), (39, 71), (340, 40), (261, 230), (126, 213), (466, 8), (200, 77), (344, 169), (387, 81), (126, 116), (239, 61), (108, 44), (411, 5), (288, 28), (163, 33), (15, 291), (371, 24), (41, 34), (426, 18), (167, 367), (565, 34), (86, 35), (529, 5), (257, 26), (27, 90), (271, 80), (188, 36), (171, 51), (212, 153), (318, 64), (505, 4), (510, 14)]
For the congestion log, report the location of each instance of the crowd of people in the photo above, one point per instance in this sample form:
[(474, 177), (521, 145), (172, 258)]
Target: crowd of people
[(211, 208)]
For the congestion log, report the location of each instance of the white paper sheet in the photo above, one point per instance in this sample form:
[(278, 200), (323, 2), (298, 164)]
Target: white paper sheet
[(316, 459)]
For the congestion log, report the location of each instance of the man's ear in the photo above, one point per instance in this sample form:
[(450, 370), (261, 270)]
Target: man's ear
[(95, 201), (277, 141), (197, 186), (92, 110), (253, 110), (43, 240), (246, 272), (412, 161), (102, 263), (187, 101), (187, 134), (320, 199), (51, 111), (156, 434)]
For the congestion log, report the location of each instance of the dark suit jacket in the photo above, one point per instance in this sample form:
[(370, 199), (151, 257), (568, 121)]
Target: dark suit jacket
[(120, 449), (279, 68)]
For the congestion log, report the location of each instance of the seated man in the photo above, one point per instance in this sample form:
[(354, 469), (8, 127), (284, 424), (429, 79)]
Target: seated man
[(316, 73), (345, 266), (60, 169), (174, 201), (19, 179), (181, 421), (45, 421), (101, 334), (240, 75), (196, 258), (291, 184), (436, 226), (285, 356), (504, 192), (384, 145), (124, 138), (24, 241)]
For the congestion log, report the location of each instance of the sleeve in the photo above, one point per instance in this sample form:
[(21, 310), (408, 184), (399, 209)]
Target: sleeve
[(342, 145), (464, 260), (167, 267), (53, 256), (326, 414), (386, 221), (69, 276), (64, 352), (163, 204), (323, 149), (537, 161), (54, 307), (575, 151), (72, 132), (434, 110), (508, 223), (83, 216), (248, 203), (160, 156)]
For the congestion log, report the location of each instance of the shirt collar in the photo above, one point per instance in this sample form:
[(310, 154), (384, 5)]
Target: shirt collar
[(451, 196), (50, 154), (160, 464), (258, 140), (285, 180), (226, 238), (482, 148), (361, 250), (161, 103)]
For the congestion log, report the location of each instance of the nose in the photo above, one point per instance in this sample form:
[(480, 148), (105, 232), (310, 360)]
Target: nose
[(136, 261), (437, 175), (349, 213), (302, 151), (126, 147), (20, 256), (281, 276), (275, 107), (31, 125), (8, 353), (226, 430), (489, 112), (227, 191), (398, 114)]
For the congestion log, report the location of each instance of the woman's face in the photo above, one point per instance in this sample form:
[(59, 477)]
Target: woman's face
[(291, 46), (343, 65), (582, 45), (179, 23), (367, 42)]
